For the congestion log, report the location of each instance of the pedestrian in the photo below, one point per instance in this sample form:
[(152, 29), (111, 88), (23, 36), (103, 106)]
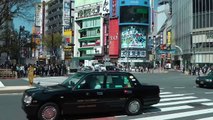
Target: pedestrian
[(30, 74)]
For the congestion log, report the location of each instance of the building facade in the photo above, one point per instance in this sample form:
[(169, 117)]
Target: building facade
[(88, 32), (54, 16), (192, 26), (134, 26)]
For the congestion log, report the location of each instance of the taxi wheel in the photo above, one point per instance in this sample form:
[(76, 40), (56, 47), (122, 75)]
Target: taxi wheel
[(133, 107), (49, 111)]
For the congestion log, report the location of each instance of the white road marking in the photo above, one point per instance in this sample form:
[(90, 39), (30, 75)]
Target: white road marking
[(175, 95), (208, 104), (181, 102), (180, 98), (1, 84), (175, 108), (177, 115), (179, 87), (208, 92), (8, 94), (207, 118), (164, 93), (121, 116)]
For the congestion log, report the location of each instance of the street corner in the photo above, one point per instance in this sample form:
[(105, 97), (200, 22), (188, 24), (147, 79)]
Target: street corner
[(14, 89)]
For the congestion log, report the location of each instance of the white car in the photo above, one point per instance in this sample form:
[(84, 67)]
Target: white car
[(100, 67), (168, 66)]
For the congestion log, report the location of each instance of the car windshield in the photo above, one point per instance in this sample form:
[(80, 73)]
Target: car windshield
[(71, 81), (210, 74)]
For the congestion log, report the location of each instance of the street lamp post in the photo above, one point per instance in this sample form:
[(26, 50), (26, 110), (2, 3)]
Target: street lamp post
[(194, 54), (127, 59)]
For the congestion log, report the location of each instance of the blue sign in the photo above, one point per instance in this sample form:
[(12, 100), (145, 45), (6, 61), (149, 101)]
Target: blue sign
[(172, 51)]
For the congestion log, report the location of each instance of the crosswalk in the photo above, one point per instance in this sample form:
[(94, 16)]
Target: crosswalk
[(185, 106)]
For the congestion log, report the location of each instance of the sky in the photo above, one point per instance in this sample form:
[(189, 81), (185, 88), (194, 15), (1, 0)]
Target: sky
[(21, 22)]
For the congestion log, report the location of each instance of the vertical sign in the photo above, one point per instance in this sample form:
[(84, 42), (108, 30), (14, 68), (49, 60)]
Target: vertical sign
[(114, 8), (113, 37), (169, 38), (105, 8), (66, 13)]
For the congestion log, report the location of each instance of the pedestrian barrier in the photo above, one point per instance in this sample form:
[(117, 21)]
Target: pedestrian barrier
[(7, 74)]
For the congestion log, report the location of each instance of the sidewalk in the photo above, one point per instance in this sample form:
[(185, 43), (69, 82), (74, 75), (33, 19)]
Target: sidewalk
[(13, 86)]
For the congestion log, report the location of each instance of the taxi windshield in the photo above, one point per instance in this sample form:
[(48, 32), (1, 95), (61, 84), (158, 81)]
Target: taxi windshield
[(72, 81), (210, 73)]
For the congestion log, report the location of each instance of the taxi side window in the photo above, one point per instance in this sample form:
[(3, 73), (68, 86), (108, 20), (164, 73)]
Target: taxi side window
[(92, 82), (118, 81)]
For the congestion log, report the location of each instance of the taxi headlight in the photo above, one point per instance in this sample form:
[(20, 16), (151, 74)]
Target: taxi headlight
[(209, 80), (28, 99)]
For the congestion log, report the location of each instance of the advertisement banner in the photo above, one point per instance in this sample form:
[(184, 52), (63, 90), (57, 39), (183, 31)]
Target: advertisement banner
[(133, 37), (105, 8), (113, 37), (66, 13)]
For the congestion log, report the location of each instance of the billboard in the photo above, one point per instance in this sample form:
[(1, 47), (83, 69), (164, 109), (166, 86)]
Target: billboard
[(113, 37), (134, 14), (133, 37)]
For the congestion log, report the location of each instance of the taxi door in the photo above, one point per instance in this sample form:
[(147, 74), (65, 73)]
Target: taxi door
[(119, 89), (87, 96)]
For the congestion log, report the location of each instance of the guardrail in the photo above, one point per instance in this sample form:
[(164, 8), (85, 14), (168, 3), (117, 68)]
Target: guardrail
[(7, 74)]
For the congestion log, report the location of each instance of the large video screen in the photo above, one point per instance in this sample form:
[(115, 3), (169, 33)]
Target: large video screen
[(133, 37), (134, 14)]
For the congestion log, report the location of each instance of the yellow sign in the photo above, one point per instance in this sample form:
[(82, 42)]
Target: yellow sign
[(169, 38), (68, 32)]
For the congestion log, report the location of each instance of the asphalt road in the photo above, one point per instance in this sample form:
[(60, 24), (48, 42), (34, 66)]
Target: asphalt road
[(197, 101)]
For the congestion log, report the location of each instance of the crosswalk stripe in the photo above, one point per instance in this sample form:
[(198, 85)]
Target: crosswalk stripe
[(164, 93), (180, 98), (175, 95), (175, 108), (177, 115), (207, 118), (208, 104), (181, 102)]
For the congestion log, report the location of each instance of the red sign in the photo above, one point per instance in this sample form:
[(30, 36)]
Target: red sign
[(114, 38)]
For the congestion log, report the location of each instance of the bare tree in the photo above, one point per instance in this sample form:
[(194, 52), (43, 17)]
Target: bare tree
[(16, 8)]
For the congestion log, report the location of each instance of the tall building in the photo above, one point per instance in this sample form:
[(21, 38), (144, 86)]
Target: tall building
[(54, 16), (88, 31), (192, 28)]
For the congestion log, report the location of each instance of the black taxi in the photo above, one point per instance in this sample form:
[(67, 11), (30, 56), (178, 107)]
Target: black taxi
[(87, 92)]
